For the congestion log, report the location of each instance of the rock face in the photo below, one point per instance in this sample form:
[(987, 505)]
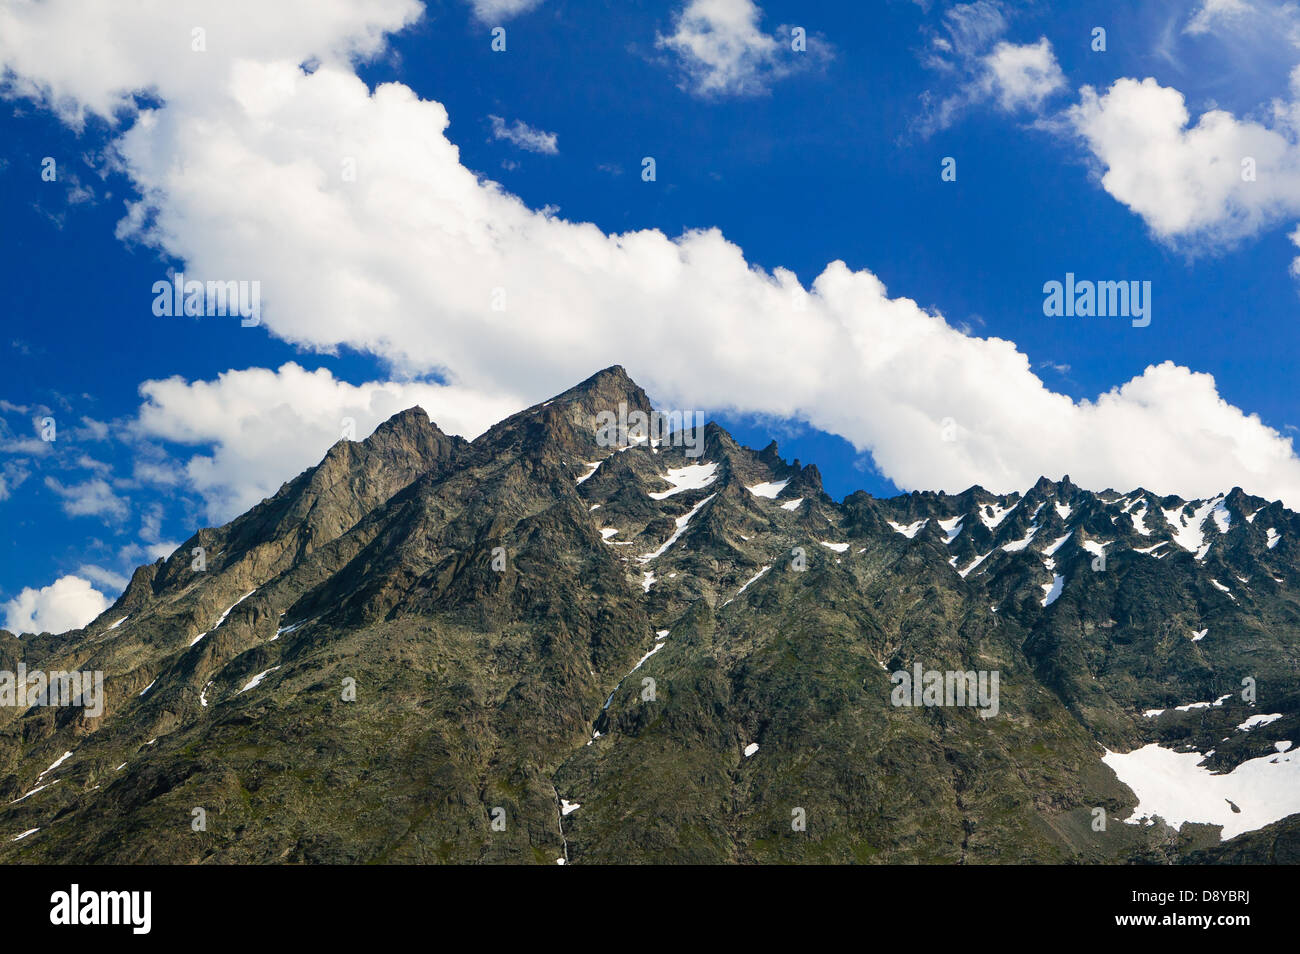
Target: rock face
[(428, 650)]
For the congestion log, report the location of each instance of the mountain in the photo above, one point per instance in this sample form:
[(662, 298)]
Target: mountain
[(571, 641)]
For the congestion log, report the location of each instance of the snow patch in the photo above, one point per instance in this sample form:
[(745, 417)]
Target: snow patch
[(1016, 546), (973, 564), (952, 527), (1052, 591), (1095, 548), (690, 477), (1222, 516), (1198, 705), (682, 523), (995, 514), (256, 680), (1179, 789), (1189, 531), (38, 788), (1057, 544), (911, 530), (1220, 586), (752, 579), (1254, 722), (288, 629), (769, 489), (1139, 520), (57, 762), (226, 613)]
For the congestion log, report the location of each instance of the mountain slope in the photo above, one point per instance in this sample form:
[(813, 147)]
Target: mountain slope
[(431, 650)]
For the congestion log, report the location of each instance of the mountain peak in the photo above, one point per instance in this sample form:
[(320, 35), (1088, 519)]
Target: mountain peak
[(413, 418), (605, 391), (521, 594)]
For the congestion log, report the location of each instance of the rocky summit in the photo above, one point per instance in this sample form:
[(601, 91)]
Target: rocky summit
[(578, 641)]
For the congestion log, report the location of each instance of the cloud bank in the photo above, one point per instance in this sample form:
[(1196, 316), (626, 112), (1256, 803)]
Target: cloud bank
[(70, 602), (422, 262)]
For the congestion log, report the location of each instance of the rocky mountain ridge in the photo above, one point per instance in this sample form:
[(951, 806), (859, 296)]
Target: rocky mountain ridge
[(431, 650)]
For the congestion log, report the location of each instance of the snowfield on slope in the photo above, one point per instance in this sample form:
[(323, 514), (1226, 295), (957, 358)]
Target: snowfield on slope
[(690, 477), (1179, 789), (768, 489)]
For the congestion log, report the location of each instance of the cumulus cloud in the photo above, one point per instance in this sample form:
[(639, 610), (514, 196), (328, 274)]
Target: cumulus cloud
[(78, 57), (524, 136), (1023, 76), (967, 52), (721, 50), (265, 426), (432, 268), (70, 602), (1212, 182)]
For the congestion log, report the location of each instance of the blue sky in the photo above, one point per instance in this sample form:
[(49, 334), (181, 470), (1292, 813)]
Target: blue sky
[(800, 159)]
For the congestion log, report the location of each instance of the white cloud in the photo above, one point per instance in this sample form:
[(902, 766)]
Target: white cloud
[(241, 179), (25, 445), (1023, 76), (1212, 12), (524, 136), (1186, 180), (77, 56), (12, 475), (161, 550), (266, 426), (967, 52), (70, 602), (721, 50), (90, 498), (1295, 262), (106, 578), (91, 430), (969, 29), (493, 12)]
